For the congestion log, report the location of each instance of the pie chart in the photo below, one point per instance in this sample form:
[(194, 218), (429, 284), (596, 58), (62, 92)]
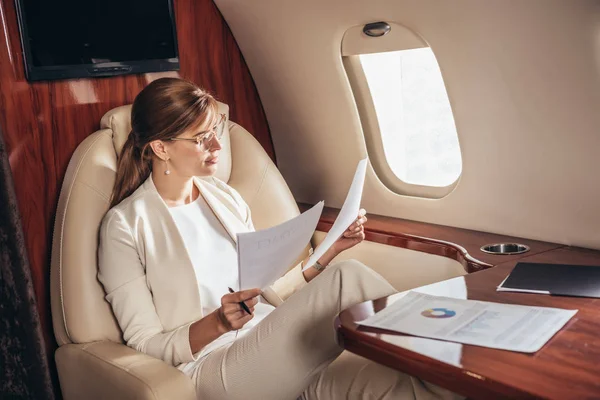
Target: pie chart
[(438, 313)]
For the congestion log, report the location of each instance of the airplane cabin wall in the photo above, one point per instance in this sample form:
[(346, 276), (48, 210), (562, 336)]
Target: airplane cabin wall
[(523, 81)]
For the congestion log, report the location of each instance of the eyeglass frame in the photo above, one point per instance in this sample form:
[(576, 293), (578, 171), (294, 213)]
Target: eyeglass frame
[(201, 137)]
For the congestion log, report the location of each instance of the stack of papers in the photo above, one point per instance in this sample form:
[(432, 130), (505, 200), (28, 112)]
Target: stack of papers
[(481, 323), (264, 256)]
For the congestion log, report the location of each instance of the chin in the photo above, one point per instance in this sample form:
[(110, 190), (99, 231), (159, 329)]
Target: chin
[(210, 170)]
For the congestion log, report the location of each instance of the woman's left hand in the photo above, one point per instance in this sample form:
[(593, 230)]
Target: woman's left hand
[(353, 235)]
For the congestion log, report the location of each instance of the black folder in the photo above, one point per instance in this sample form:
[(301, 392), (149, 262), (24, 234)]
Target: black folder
[(554, 279)]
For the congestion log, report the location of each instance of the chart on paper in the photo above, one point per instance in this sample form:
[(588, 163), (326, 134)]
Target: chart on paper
[(480, 323)]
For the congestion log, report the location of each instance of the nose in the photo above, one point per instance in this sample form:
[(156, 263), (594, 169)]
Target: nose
[(215, 144)]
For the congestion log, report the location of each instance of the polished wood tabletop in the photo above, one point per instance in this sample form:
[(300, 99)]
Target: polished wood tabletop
[(567, 367)]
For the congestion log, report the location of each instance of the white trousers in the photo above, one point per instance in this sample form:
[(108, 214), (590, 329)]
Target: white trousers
[(294, 353)]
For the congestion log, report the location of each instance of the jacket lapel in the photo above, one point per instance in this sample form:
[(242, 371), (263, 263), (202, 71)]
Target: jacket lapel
[(170, 250), (224, 208), (222, 205), (168, 265)]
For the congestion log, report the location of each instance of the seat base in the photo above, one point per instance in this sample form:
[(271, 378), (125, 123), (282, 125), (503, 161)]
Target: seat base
[(108, 370)]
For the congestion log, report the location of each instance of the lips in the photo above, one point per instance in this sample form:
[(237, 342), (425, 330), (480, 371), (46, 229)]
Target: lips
[(213, 160)]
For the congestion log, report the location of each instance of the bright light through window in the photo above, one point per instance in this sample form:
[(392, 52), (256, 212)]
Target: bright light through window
[(414, 115)]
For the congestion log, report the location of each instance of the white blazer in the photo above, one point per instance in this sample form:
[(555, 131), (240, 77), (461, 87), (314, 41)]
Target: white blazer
[(148, 275)]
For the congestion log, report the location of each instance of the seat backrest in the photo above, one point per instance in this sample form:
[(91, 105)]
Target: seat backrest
[(80, 314)]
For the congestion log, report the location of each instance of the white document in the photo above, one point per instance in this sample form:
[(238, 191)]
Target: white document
[(500, 288), (347, 215), (264, 256), (499, 326)]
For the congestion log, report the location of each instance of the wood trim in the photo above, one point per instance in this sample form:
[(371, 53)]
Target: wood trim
[(44, 122), (462, 245), (566, 367), (430, 370)]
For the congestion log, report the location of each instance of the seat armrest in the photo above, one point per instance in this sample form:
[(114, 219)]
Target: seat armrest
[(108, 370)]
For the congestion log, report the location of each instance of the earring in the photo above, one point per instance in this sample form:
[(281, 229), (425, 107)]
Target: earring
[(167, 172)]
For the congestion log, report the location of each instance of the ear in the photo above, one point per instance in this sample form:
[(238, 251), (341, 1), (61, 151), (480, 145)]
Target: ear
[(160, 149)]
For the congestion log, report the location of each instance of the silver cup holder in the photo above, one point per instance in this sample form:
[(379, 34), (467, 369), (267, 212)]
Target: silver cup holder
[(505, 248)]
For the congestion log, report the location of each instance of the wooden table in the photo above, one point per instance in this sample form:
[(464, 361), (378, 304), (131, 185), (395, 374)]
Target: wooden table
[(567, 367)]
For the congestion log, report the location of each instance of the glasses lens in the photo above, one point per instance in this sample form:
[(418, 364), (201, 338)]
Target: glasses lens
[(207, 139)]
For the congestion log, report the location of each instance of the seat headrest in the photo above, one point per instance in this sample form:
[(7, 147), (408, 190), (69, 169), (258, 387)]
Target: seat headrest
[(118, 120)]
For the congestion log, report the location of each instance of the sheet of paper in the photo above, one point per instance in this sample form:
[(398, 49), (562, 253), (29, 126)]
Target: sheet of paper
[(501, 288), (499, 326), (347, 215), (266, 255)]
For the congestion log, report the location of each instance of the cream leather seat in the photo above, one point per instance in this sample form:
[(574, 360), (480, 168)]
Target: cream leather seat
[(92, 361)]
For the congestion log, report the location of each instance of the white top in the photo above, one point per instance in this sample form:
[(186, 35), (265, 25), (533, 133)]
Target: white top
[(214, 256)]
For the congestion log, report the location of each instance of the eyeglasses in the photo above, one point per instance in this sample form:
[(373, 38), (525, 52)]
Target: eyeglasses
[(204, 138)]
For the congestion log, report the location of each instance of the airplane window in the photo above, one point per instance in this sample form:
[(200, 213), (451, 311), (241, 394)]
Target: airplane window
[(414, 116)]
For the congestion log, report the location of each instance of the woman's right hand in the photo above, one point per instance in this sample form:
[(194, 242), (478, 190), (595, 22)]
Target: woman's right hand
[(231, 315)]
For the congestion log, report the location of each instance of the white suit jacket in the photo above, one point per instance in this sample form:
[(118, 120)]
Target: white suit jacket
[(148, 275)]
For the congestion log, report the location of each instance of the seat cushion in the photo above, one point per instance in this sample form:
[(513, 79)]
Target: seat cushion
[(106, 370)]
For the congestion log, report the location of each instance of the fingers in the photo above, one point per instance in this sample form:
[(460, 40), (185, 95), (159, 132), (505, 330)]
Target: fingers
[(355, 229), (239, 324), (242, 295), (232, 314), (360, 233), (231, 311), (360, 220), (251, 302), (236, 319), (236, 306), (358, 224)]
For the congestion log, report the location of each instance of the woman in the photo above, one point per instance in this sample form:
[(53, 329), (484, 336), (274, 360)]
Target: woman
[(167, 255)]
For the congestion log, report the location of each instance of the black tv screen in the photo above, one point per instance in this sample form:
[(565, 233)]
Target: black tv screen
[(87, 38)]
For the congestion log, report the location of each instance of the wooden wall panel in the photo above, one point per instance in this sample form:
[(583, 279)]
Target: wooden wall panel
[(44, 122)]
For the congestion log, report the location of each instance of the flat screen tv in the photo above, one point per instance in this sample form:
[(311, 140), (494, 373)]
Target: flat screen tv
[(90, 38)]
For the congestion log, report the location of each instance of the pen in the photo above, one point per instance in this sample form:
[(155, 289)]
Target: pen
[(241, 303)]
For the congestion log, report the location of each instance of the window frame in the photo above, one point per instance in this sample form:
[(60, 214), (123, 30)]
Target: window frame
[(354, 44)]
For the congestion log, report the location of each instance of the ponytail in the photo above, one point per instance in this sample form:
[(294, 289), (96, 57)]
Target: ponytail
[(133, 168)]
